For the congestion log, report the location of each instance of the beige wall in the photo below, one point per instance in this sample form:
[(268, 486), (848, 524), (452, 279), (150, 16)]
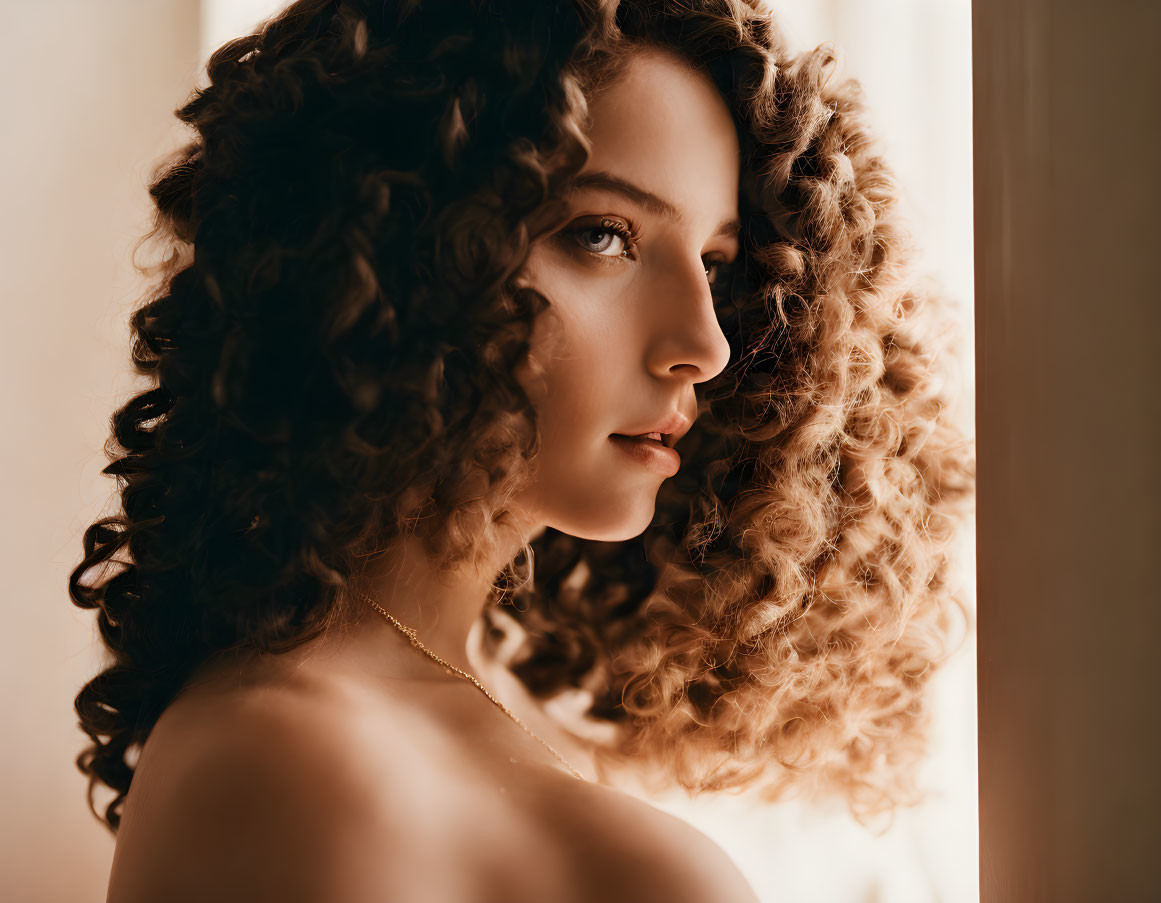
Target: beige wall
[(1068, 122), (86, 94)]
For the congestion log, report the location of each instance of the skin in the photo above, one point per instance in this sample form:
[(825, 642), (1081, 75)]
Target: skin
[(353, 768)]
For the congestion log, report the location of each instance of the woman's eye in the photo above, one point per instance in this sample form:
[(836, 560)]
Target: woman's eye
[(719, 275), (601, 240), (718, 272), (605, 239)]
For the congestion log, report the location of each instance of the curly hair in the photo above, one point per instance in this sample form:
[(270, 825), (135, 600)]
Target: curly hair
[(331, 345)]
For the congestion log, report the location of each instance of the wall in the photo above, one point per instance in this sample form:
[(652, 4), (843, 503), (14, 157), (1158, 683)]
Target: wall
[(87, 91), (1067, 124)]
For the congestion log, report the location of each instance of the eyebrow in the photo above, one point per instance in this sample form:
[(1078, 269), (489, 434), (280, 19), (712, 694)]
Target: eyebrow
[(646, 199)]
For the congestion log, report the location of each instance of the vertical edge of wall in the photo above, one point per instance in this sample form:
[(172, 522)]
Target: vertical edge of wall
[(1067, 125)]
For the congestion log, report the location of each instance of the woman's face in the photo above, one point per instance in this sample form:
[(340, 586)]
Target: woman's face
[(632, 326)]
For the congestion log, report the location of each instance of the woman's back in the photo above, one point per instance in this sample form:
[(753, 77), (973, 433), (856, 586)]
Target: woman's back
[(282, 779)]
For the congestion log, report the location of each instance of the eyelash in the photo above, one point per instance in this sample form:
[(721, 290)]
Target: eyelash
[(623, 231), (629, 235)]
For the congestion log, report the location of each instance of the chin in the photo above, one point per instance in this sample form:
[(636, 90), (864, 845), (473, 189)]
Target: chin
[(612, 532), (606, 519)]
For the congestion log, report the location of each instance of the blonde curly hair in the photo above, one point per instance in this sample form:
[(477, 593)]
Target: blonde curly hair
[(777, 624), (333, 367)]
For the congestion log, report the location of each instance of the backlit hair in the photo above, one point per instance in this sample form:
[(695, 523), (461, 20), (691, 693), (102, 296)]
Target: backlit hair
[(331, 343)]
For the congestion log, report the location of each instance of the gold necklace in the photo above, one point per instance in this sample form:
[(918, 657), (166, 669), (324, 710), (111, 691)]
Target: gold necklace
[(450, 668)]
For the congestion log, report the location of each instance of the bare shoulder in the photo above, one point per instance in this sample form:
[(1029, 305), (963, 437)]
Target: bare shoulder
[(267, 792), (625, 849), (307, 789)]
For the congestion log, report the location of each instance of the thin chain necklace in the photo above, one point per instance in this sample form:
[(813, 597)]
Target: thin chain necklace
[(450, 668)]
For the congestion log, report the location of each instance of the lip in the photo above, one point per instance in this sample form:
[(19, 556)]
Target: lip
[(672, 428), (656, 457)]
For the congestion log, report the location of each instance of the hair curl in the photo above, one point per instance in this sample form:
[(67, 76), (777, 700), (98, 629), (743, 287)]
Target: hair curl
[(332, 342)]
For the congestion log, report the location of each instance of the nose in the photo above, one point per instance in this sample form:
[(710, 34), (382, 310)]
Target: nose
[(687, 339)]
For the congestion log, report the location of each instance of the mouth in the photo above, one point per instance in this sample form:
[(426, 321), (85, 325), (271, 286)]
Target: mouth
[(654, 446), (663, 439), (649, 450)]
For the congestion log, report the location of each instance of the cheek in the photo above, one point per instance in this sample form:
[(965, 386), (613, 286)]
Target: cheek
[(576, 358), (580, 379), (578, 373)]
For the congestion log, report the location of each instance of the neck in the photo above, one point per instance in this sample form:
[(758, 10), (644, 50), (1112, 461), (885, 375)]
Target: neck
[(440, 605)]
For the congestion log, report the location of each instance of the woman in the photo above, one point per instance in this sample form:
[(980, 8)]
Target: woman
[(411, 571)]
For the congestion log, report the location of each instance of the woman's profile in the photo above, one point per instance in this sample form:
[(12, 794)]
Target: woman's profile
[(540, 398)]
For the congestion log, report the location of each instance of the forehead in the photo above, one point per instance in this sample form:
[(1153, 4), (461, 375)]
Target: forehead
[(665, 127)]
